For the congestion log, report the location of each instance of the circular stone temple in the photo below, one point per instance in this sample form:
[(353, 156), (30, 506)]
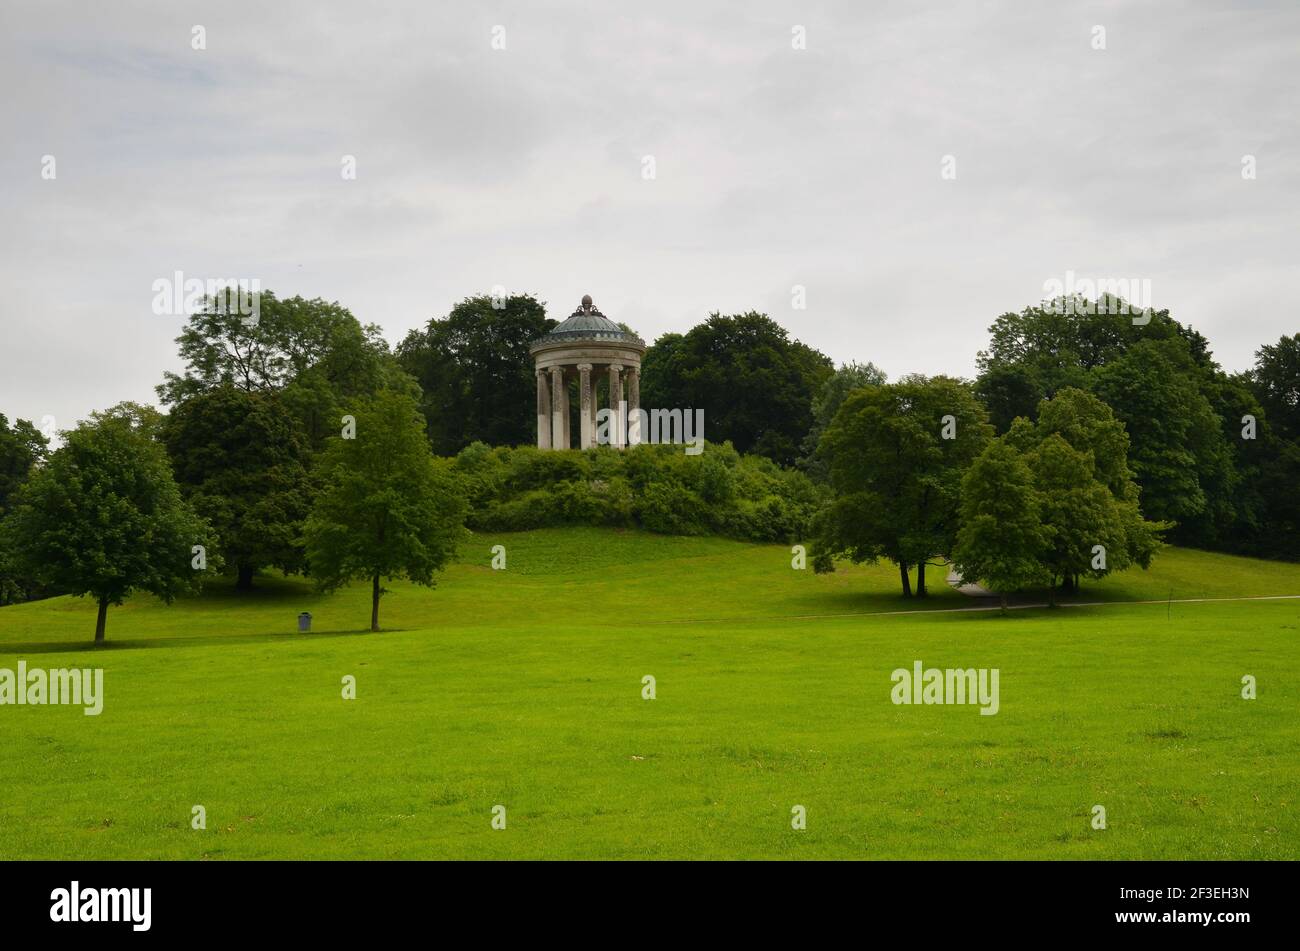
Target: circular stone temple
[(588, 342)]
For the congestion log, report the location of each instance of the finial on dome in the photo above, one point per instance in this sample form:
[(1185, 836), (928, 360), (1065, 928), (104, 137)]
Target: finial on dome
[(586, 302)]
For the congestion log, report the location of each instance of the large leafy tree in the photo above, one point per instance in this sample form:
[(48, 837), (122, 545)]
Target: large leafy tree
[(241, 459), (896, 474), (1088, 425), (1178, 450), (22, 446), (1057, 344), (476, 373), (104, 517), (1002, 538), (387, 508), (849, 377), (1275, 381), (1077, 452), (1163, 383), (289, 338), (1081, 518), (1240, 525), (312, 351), (755, 384)]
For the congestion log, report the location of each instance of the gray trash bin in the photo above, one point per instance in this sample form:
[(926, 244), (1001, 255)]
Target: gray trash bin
[(304, 622)]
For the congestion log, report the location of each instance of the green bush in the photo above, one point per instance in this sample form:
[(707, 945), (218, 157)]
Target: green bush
[(658, 488)]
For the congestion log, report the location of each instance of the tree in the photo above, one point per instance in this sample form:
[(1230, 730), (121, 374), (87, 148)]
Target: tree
[(1009, 391), (1078, 454), (1057, 344), (1081, 518), (1178, 451), (1275, 381), (105, 517), (314, 352), (1240, 526), (1088, 425), (240, 459), (755, 384), (1163, 383), (22, 448), (849, 377), (1002, 538), (897, 455), (386, 508), (476, 372)]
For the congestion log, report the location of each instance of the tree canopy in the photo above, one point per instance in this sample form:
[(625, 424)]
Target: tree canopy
[(105, 517), (755, 384), (476, 373), (22, 446), (241, 461), (312, 351)]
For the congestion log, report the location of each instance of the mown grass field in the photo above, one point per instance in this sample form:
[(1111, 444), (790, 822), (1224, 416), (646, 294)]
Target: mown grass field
[(523, 688)]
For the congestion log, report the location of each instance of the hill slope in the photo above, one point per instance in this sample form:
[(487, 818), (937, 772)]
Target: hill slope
[(523, 688)]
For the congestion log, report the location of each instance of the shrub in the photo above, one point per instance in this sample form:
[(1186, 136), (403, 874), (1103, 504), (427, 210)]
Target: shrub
[(658, 488)]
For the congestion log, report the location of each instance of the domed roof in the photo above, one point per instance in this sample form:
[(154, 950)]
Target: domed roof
[(587, 323)]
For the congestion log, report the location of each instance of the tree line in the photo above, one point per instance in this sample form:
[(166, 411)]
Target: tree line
[(302, 443)]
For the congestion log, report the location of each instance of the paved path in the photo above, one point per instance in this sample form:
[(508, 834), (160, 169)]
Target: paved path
[(971, 590), (993, 607)]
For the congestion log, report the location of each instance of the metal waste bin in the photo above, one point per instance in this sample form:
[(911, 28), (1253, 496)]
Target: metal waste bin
[(304, 622)]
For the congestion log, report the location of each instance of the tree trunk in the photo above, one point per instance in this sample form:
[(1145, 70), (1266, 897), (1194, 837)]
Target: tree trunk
[(99, 621), (1051, 592), (1003, 598), (374, 603), (907, 582), (245, 580), (920, 579)]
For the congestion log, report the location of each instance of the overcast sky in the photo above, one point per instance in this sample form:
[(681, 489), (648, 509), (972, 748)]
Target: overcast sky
[(524, 167)]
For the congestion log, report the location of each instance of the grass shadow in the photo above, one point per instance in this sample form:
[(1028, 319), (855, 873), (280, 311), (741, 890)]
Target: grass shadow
[(180, 640)]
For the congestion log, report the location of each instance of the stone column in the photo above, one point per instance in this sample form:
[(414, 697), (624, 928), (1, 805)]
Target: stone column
[(564, 389), (543, 412), (633, 404), (557, 408), (588, 435), (615, 406)]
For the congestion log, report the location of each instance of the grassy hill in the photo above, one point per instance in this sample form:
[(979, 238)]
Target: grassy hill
[(523, 688)]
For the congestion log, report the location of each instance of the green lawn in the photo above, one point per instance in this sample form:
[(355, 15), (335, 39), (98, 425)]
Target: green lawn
[(523, 688)]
